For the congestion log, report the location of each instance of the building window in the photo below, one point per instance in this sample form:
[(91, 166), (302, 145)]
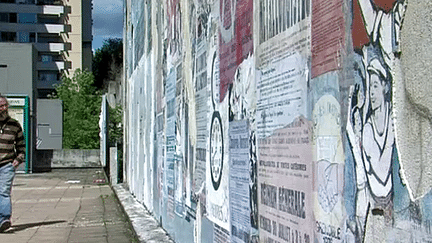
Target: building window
[(27, 18), (8, 17), (49, 2), (12, 18), (26, 1), (48, 76), (48, 38), (26, 37), (48, 19), (32, 37), (4, 17), (8, 36), (46, 58), (23, 37)]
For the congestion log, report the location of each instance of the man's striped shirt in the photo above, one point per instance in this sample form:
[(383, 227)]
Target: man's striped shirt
[(12, 143)]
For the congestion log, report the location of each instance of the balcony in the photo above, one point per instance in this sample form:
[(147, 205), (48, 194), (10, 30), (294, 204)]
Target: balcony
[(52, 9), (37, 9), (56, 65), (39, 28), (50, 47)]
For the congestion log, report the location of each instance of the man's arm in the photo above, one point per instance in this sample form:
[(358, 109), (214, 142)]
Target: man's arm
[(20, 148), (369, 15)]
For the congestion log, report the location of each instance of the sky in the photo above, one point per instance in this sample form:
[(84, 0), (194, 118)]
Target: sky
[(107, 21)]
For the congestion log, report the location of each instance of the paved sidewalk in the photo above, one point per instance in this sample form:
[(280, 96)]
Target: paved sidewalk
[(74, 205)]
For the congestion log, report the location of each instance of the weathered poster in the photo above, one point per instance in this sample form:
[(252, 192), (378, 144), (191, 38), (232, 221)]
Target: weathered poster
[(328, 36), (217, 167), (285, 190), (174, 29), (161, 145), (181, 141), (220, 234), (329, 158), (202, 101), (17, 113), (282, 92), (236, 42), (170, 135), (284, 27), (239, 181), (283, 59), (285, 168), (242, 106)]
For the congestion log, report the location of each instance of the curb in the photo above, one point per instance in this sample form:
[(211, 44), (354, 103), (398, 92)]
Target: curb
[(146, 227)]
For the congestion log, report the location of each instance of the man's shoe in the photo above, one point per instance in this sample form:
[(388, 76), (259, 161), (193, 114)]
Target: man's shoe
[(6, 224)]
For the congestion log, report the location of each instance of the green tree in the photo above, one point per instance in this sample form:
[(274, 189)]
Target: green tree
[(81, 109), (108, 62)]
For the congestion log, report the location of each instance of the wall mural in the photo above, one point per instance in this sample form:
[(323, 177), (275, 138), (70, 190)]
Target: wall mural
[(283, 130), (381, 198)]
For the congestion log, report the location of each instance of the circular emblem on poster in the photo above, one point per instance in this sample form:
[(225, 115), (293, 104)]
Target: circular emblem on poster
[(216, 150)]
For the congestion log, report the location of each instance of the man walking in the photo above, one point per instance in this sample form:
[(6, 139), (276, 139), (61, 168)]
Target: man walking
[(12, 154)]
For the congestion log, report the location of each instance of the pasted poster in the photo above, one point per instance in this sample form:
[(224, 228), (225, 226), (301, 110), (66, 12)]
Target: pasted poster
[(236, 42), (329, 158), (285, 169), (17, 114), (284, 27), (217, 169), (174, 29), (285, 191), (239, 181), (242, 106), (181, 142), (281, 93), (283, 59), (170, 135), (202, 101), (328, 36)]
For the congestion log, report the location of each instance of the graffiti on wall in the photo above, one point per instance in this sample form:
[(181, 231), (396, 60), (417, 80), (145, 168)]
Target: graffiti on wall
[(370, 127), (276, 143)]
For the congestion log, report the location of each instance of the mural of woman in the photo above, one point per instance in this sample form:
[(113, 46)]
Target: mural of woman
[(370, 127)]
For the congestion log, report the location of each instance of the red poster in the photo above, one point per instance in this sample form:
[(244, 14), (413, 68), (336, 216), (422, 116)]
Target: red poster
[(236, 28), (328, 35)]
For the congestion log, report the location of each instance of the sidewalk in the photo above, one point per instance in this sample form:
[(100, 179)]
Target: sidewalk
[(74, 205)]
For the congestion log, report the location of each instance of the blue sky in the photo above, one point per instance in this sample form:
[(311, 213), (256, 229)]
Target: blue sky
[(107, 21)]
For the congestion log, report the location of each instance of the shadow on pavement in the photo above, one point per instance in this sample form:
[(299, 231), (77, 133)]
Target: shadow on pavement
[(21, 227)]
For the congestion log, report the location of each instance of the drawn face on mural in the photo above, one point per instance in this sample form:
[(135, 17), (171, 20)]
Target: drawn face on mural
[(377, 91)]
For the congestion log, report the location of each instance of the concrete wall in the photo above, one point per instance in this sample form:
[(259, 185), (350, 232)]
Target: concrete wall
[(18, 77), (280, 121), (67, 158)]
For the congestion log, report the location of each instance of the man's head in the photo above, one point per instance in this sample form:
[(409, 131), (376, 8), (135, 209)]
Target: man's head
[(4, 106)]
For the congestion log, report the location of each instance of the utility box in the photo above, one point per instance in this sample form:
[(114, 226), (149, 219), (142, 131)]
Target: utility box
[(49, 124)]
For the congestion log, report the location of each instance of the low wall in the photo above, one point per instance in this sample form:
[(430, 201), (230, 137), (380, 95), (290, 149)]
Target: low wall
[(66, 158)]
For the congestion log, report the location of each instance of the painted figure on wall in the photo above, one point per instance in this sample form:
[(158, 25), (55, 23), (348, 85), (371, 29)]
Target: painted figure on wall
[(370, 126)]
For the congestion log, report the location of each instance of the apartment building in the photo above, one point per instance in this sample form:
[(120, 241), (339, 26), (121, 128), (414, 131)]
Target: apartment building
[(61, 31)]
